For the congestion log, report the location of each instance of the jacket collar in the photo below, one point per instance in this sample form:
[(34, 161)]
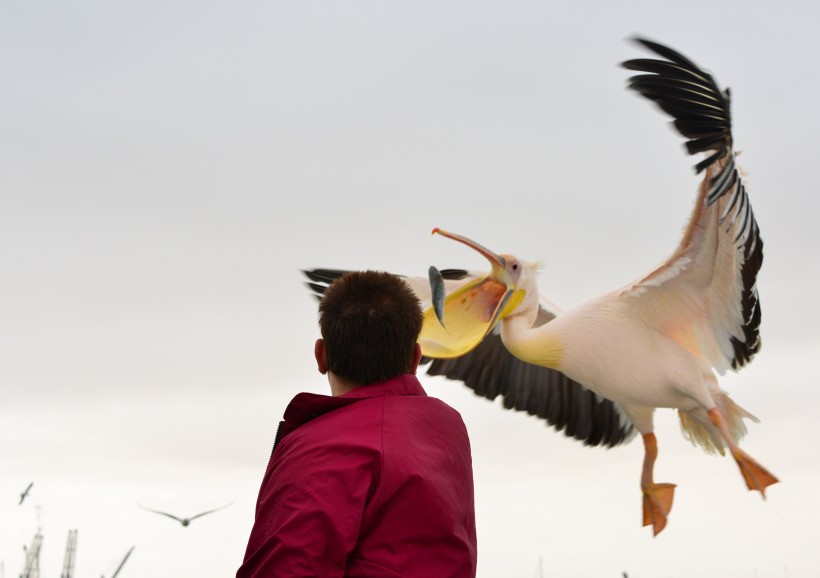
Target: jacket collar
[(307, 406)]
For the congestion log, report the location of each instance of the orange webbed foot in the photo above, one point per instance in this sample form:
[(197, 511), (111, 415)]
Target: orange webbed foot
[(657, 503), (756, 476)]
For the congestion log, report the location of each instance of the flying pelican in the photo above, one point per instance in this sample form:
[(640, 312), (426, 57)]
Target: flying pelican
[(25, 493), (184, 521), (657, 342)]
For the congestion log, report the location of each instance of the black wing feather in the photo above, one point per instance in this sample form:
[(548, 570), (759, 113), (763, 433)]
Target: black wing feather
[(688, 94)]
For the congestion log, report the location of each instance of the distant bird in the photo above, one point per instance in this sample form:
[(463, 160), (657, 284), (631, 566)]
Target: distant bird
[(600, 369), (25, 493), (184, 521)]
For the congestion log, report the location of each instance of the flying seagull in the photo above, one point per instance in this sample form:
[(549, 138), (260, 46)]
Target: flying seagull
[(184, 521), (25, 493), (599, 370)]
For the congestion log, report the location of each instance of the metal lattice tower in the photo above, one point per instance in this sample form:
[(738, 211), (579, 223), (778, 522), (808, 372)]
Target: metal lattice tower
[(70, 555), (31, 568)]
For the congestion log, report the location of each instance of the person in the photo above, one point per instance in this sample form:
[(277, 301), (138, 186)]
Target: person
[(375, 479)]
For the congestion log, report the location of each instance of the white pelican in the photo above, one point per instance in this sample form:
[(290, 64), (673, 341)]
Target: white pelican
[(184, 521), (657, 342)]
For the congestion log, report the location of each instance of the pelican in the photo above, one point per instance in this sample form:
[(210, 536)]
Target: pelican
[(600, 370), (184, 521)]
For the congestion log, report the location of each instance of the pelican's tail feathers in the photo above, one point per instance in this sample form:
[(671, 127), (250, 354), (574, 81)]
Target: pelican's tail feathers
[(698, 428)]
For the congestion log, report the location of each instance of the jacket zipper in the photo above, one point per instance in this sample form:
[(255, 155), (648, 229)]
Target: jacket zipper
[(275, 441)]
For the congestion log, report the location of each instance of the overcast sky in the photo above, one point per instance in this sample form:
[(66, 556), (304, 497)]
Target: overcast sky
[(167, 168)]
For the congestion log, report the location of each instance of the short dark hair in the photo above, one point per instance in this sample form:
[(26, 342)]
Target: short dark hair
[(370, 322)]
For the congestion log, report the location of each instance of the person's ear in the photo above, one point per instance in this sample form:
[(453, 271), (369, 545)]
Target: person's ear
[(321, 355), (416, 358)]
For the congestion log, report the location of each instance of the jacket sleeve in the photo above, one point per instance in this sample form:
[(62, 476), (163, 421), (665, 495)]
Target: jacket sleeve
[(310, 509)]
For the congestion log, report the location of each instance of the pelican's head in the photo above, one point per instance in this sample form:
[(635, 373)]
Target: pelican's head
[(472, 311)]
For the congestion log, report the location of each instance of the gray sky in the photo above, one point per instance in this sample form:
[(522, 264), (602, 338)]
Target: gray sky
[(167, 168)]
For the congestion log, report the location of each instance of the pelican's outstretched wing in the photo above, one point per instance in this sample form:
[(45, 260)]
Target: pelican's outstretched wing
[(491, 370), (319, 279), (705, 294), (454, 279), (180, 520), (192, 518)]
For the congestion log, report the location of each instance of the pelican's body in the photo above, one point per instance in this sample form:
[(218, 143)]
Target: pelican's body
[(587, 344)]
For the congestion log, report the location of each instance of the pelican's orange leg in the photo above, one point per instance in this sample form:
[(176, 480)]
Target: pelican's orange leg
[(756, 476), (657, 498)]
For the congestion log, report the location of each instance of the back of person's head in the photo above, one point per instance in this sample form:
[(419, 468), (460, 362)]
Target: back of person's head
[(370, 322)]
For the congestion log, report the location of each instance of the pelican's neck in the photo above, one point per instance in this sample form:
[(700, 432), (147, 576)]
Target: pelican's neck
[(537, 345)]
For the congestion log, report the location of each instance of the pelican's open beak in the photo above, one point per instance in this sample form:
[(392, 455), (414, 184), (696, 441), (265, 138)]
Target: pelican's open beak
[(472, 311)]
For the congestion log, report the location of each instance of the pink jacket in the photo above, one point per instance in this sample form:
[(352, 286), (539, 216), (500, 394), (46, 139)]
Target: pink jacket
[(376, 482)]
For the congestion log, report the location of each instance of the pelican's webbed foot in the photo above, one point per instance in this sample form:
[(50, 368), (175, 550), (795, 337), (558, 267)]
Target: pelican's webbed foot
[(657, 503)]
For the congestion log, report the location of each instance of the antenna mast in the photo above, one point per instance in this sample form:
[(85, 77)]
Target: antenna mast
[(31, 568), (70, 555)]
